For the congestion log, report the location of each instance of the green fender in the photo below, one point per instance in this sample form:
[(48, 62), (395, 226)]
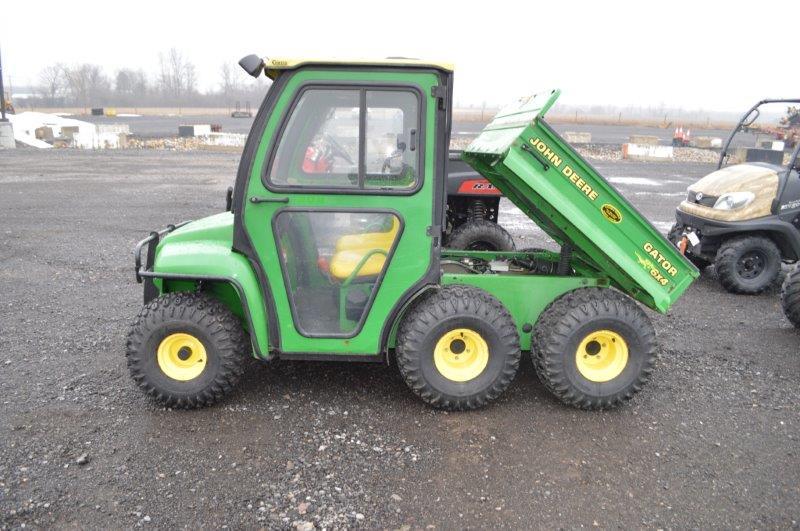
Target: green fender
[(202, 251)]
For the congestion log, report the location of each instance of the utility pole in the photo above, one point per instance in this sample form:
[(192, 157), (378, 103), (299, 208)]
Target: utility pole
[(2, 94)]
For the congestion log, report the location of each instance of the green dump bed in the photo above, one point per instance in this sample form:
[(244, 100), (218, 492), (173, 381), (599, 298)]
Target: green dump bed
[(543, 175)]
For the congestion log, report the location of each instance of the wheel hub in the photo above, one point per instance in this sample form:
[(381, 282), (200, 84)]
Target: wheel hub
[(181, 356), (461, 355), (750, 265), (601, 356)]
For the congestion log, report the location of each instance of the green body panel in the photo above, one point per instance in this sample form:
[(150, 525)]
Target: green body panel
[(415, 211), (202, 248), (612, 244), (541, 174), (524, 296)]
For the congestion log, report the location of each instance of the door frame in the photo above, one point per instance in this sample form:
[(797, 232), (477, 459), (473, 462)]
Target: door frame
[(260, 139), (376, 285)]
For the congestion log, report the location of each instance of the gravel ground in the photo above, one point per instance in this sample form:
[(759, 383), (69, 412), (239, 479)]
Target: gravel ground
[(711, 443)]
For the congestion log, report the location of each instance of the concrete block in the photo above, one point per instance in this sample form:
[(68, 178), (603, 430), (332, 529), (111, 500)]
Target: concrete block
[(44, 133), (91, 140), (68, 131), (647, 152), (194, 130), (578, 137), (114, 128), (643, 140), (225, 139), (7, 136), (707, 142), (744, 154)]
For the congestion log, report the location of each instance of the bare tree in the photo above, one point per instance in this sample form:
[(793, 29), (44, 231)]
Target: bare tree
[(52, 82), (140, 84), (124, 82), (131, 85), (189, 79), (229, 84), (98, 84), (174, 83), (87, 84), (78, 84), (177, 75)]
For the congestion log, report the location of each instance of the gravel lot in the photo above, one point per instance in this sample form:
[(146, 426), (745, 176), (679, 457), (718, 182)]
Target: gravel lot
[(711, 443)]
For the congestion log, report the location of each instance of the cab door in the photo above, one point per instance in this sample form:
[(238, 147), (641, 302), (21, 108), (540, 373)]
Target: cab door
[(341, 204)]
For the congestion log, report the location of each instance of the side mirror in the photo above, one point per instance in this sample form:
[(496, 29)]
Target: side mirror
[(252, 64), (750, 118), (229, 199)]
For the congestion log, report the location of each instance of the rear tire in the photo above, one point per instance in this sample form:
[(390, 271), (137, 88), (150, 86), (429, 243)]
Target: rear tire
[(481, 235), (186, 350), (594, 348), (790, 296), (458, 348), (748, 264)]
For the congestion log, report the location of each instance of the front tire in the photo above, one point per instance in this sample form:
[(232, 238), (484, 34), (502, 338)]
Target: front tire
[(481, 235), (790, 296), (748, 264), (594, 348), (458, 348), (186, 350)]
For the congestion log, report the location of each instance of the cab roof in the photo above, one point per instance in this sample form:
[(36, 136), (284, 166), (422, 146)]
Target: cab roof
[(273, 66)]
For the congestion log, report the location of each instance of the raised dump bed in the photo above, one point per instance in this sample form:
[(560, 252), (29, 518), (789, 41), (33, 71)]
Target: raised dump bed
[(542, 174)]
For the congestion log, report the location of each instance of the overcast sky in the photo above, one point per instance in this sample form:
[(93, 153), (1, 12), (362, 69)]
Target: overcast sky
[(689, 54)]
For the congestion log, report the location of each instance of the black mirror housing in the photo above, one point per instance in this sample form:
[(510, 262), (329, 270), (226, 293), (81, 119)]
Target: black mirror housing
[(252, 64)]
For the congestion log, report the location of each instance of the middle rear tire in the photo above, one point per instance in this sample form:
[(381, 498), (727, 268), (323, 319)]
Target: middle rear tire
[(458, 348), (790, 296)]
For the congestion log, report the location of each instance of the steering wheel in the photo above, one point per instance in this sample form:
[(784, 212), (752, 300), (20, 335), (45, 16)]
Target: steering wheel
[(337, 150)]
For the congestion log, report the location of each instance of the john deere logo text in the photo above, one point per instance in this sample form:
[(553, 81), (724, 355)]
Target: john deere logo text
[(611, 213), (566, 171)]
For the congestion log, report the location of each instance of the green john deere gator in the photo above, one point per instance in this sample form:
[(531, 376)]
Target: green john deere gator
[(331, 249)]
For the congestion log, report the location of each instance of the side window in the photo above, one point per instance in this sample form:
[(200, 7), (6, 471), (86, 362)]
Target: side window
[(391, 139), (345, 138), (319, 146), (333, 262)]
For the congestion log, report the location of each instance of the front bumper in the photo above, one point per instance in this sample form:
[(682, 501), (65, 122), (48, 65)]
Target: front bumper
[(145, 274), (712, 233)]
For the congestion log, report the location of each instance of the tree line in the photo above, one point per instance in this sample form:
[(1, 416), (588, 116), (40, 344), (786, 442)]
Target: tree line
[(173, 84)]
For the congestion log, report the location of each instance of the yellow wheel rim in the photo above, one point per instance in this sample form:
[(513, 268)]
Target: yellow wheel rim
[(602, 356), (181, 357), (461, 355)]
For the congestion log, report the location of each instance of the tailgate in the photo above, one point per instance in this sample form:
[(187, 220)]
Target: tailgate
[(548, 180)]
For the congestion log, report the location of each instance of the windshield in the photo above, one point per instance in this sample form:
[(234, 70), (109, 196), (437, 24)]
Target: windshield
[(769, 132)]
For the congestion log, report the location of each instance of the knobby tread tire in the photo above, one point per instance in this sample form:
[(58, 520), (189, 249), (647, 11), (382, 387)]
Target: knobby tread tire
[(224, 338), (481, 231), (728, 255), (790, 296), (555, 332), (450, 304)]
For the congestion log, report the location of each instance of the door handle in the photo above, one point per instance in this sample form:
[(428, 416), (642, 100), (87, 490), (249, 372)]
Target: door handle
[(256, 199)]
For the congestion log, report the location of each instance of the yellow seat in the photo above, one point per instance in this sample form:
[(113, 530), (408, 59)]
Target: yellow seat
[(353, 248), (369, 240), (344, 263)]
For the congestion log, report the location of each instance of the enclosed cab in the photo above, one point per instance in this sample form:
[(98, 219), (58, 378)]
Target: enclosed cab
[(332, 250)]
